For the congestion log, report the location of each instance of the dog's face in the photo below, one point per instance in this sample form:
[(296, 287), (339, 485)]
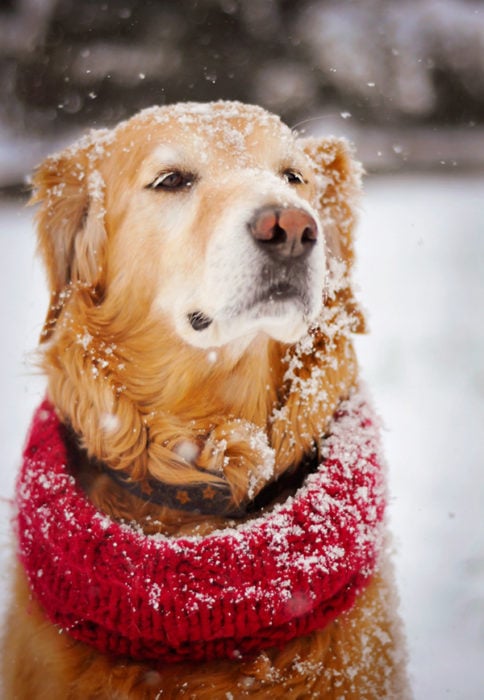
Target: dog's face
[(217, 218), (207, 215)]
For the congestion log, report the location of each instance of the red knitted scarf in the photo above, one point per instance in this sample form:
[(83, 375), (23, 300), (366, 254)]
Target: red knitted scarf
[(227, 594)]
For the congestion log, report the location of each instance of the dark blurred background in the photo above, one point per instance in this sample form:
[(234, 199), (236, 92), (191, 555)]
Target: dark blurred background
[(405, 80)]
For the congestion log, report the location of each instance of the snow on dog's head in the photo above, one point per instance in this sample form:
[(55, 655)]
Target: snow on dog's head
[(216, 217)]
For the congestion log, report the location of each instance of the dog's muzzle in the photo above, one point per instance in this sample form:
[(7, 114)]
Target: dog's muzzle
[(286, 235)]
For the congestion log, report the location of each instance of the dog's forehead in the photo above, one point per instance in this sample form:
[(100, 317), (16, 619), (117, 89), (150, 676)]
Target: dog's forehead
[(227, 120), (220, 130)]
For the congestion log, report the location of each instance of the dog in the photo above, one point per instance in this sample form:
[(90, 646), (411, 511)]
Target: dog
[(197, 348)]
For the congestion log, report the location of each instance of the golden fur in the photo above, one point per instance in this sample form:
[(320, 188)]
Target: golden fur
[(113, 249)]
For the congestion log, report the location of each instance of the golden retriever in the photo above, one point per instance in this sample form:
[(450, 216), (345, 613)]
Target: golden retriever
[(191, 252)]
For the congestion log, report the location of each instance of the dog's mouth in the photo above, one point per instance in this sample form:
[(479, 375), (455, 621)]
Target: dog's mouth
[(275, 298), (280, 291), (270, 300)]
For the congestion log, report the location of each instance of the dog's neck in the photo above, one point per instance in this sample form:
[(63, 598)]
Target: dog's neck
[(201, 384), (189, 415), (215, 386)]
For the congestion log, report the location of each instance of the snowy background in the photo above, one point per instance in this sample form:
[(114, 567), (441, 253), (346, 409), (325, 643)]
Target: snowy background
[(405, 82), (420, 272)]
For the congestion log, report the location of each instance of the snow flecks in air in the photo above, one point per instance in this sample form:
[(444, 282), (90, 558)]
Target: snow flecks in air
[(110, 422), (187, 450), (212, 356)]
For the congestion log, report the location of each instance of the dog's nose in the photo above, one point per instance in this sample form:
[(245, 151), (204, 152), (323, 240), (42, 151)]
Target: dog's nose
[(284, 232)]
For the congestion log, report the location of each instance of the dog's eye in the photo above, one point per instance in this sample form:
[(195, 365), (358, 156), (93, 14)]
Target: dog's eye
[(172, 180), (293, 177)]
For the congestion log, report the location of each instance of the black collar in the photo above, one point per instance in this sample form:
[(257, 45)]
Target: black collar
[(214, 499)]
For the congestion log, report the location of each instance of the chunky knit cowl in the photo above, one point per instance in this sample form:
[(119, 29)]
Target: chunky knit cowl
[(228, 594)]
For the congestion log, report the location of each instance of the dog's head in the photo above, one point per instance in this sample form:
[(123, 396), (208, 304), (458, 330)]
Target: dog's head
[(216, 218)]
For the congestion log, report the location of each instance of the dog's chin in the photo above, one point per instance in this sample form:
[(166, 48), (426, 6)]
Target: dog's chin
[(285, 321)]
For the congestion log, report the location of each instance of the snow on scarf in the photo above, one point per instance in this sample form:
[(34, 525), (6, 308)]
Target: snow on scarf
[(227, 594)]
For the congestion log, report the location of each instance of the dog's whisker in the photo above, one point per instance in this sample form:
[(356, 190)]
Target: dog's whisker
[(321, 118)]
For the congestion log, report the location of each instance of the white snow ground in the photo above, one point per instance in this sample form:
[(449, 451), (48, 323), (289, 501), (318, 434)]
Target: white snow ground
[(421, 273)]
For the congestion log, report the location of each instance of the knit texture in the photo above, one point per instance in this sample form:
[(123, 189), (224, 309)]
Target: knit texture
[(227, 594)]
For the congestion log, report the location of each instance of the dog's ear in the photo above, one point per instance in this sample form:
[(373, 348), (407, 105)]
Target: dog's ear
[(70, 224), (338, 178)]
